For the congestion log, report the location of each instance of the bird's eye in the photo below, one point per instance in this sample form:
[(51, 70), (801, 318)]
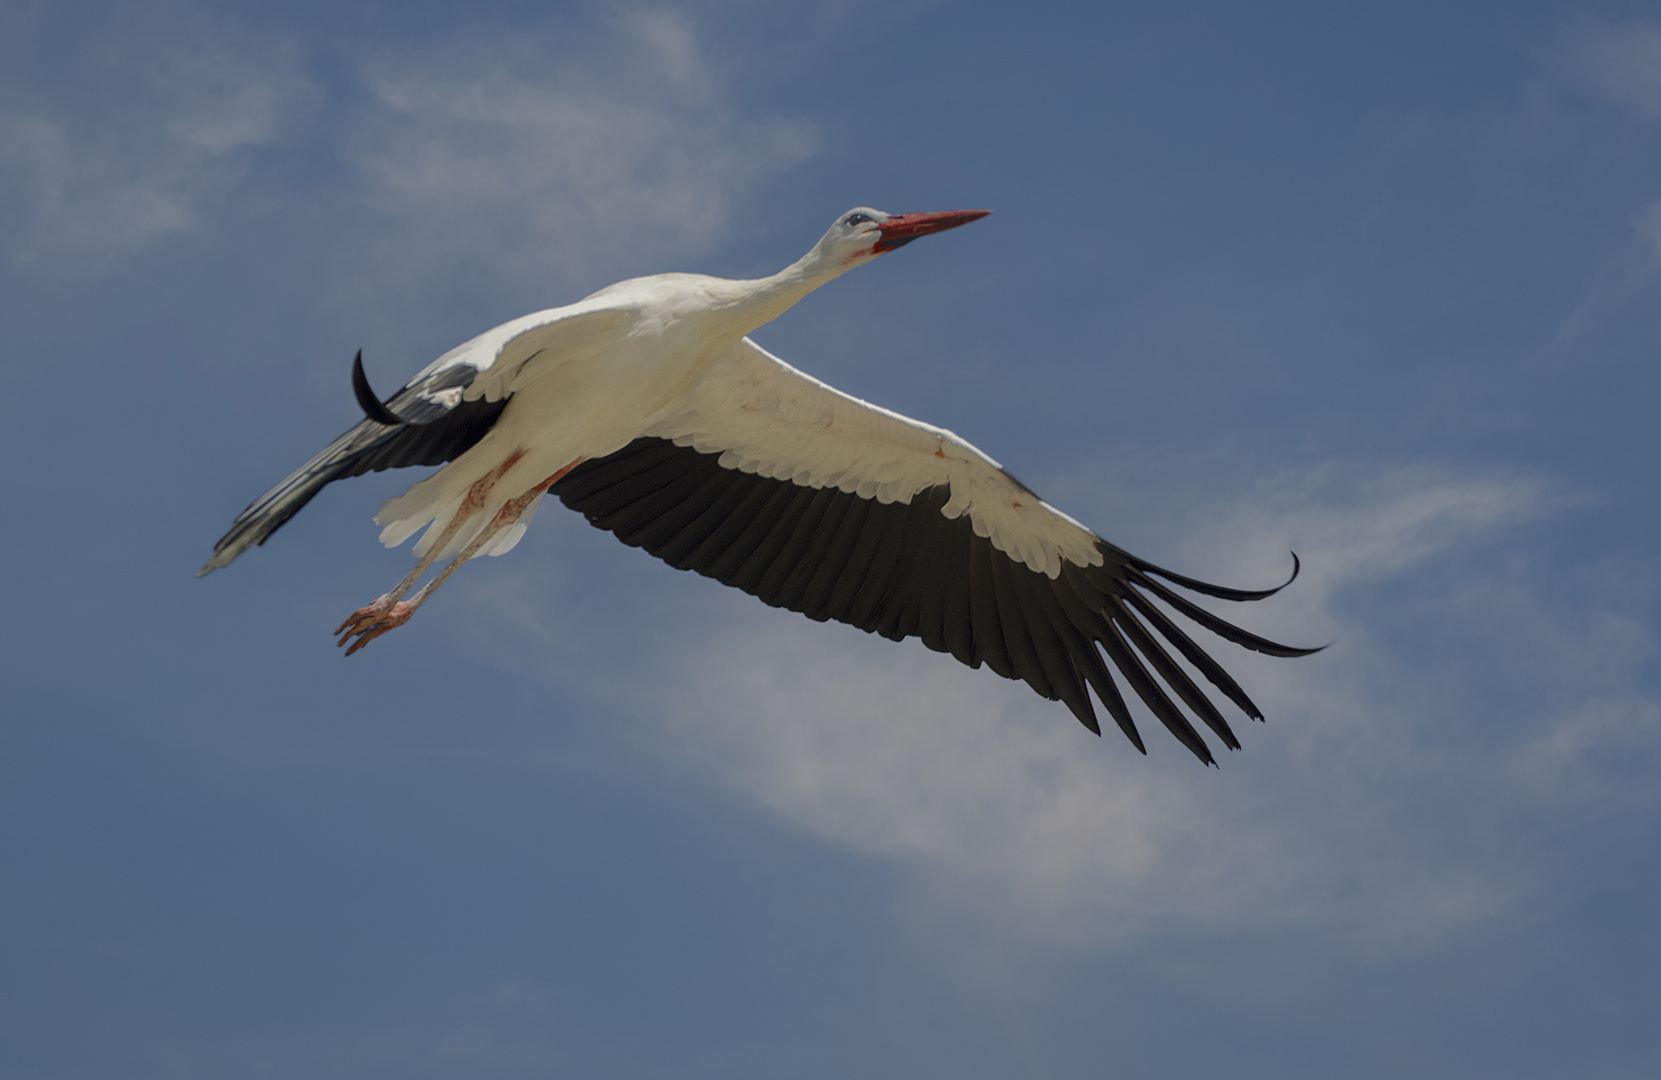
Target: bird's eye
[(856, 219)]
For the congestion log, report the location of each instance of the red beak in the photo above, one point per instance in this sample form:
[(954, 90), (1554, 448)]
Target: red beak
[(904, 228)]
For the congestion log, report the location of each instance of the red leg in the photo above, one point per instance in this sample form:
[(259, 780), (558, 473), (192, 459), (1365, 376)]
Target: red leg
[(471, 504), (390, 612)]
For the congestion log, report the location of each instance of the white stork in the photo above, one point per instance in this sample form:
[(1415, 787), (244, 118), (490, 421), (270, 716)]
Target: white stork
[(647, 408)]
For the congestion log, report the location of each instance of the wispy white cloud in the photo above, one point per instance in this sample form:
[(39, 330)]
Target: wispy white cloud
[(1336, 818), (1605, 753), (96, 185), (1622, 62), (558, 157)]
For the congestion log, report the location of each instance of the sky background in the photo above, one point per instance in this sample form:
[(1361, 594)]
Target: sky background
[(1376, 282)]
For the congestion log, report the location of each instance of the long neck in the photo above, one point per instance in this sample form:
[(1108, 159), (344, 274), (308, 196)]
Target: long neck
[(767, 298)]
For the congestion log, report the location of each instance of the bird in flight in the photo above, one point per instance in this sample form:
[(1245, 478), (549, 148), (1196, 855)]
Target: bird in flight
[(647, 408)]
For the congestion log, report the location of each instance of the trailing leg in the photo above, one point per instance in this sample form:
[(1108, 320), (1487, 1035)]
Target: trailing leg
[(392, 611)]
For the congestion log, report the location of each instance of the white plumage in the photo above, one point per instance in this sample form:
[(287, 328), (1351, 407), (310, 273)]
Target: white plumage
[(765, 417), (646, 407)]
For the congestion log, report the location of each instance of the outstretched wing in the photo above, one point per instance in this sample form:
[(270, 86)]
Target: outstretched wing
[(809, 499), (444, 410)]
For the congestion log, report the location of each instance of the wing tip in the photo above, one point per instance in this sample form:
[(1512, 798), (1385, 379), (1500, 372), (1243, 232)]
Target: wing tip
[(222, 557), (1205, 588)]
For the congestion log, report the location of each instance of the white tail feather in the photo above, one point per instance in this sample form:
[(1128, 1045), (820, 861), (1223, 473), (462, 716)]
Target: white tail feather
[(504, 541)]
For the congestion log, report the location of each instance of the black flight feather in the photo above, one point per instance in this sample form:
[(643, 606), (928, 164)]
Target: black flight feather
[(904, 569)]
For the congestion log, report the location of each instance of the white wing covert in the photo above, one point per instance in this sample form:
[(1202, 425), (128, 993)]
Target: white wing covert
[(775, 483), (765, 417)]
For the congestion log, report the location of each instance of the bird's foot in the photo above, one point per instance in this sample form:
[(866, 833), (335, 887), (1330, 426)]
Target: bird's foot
[(371, 621)]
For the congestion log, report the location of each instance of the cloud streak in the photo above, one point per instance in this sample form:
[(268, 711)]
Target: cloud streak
[(1335, 818), (533, 160), (96, 186), (530, 162), (1621, 63)]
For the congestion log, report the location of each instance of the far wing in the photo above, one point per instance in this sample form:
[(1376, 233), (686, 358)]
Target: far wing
[(765, 417), (446, 409), (812, 500)]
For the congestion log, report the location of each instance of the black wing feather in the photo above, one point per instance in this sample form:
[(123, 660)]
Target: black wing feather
[(429, 433), (904, 569)]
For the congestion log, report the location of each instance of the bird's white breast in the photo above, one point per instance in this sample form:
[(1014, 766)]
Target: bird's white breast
[(599, 391)]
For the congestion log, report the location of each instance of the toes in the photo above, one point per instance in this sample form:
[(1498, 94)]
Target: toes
[(366, 614), (364, 635), (366, 625), (358, 625)]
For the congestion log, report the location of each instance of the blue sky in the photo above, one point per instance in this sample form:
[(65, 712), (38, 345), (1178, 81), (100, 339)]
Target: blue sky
[(1375, 282)]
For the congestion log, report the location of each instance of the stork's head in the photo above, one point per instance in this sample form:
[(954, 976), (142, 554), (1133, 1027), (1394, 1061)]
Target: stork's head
[(863, 233)]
